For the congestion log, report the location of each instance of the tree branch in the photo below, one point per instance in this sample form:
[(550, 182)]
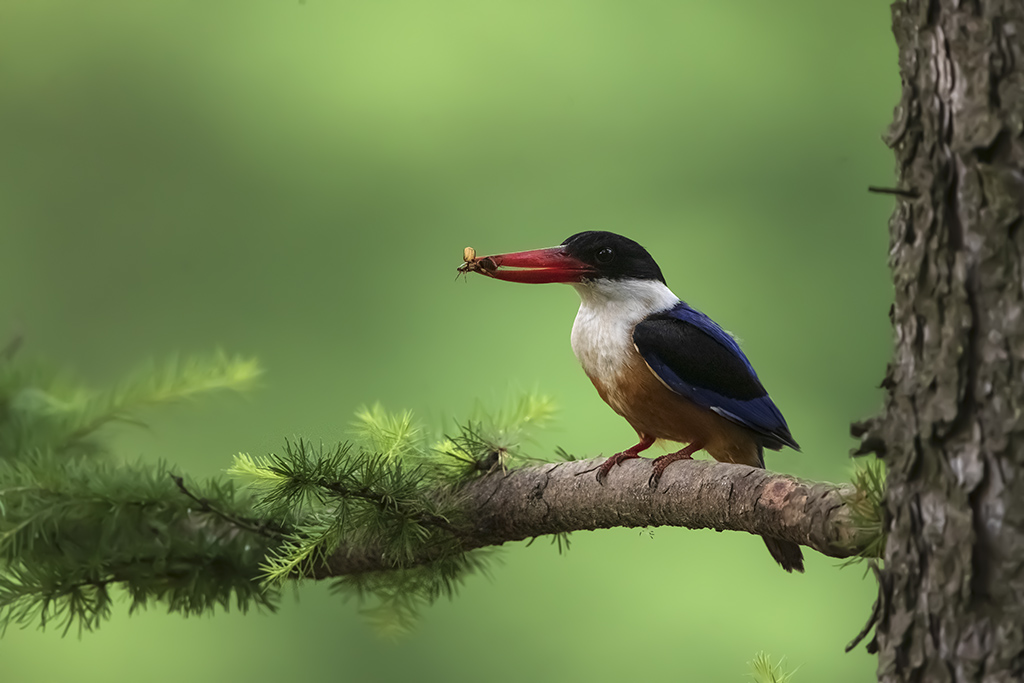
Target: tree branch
[(697, 494)]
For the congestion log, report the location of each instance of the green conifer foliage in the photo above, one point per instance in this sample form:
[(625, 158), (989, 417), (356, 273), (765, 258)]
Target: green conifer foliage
[(77, 523), (78, 526), (393, 489)]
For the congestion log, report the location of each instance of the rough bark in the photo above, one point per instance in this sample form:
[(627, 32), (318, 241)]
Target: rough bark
[(952, 432), (699, 494)]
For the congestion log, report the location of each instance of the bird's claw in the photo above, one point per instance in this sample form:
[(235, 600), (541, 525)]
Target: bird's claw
[(660, 464), (607, 465), (658, 468)]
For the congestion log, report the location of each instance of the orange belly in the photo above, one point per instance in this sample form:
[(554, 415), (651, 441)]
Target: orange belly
[(654, 410)]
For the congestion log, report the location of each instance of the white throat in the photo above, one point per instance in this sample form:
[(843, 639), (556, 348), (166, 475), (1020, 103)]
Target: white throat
[(602, 336)]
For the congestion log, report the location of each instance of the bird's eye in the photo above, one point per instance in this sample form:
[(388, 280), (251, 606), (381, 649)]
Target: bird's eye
[(605, 255)]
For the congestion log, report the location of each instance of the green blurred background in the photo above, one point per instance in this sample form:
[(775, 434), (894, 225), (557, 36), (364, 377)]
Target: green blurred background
[(297, 181)]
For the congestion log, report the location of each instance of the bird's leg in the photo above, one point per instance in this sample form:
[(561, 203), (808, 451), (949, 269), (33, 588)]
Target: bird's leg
[(632, 452), (664, 461)]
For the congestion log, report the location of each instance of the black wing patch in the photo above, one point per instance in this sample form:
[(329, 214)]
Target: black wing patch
[(696, 357)]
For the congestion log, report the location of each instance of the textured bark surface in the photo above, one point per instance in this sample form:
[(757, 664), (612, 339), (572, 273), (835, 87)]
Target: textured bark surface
[(698, 494), (952, 434)]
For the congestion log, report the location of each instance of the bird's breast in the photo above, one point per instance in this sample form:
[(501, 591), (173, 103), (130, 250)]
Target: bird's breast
[(602, 336), (602, 342)]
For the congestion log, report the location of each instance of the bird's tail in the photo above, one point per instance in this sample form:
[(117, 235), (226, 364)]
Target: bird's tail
[(786, 553)]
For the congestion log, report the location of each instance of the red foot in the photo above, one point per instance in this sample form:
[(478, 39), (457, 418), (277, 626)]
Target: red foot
[(628, 454), (664, 461)]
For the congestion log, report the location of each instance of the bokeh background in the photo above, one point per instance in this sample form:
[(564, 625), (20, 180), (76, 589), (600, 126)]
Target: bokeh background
[(296, 181)]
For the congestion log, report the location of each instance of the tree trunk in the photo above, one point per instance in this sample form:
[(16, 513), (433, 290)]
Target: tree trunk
[(952, 432)]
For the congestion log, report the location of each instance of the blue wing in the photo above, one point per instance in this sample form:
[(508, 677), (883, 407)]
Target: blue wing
[(700, 361)]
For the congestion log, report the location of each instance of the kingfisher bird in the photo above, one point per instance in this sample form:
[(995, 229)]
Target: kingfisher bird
[(668, 369)]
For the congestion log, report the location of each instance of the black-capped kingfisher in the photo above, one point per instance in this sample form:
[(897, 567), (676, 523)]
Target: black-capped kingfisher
[(667, 368)]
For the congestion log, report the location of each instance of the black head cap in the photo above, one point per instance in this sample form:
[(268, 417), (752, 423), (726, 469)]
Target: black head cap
[(613, 256)]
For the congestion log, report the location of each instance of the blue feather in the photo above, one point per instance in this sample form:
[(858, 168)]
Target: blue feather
[(700, 361)]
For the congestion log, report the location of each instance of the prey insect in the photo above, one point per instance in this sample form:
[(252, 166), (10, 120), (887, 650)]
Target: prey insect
[(472, 264)]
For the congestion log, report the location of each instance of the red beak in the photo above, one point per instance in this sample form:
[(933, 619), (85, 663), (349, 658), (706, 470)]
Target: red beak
[(538, 266)]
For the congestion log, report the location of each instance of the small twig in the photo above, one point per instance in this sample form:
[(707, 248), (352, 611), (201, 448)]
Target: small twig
[(261, 528), (381, 503), (876, 610), (913, 194)]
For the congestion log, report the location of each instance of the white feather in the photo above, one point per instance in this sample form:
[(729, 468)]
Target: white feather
[(602, 335)]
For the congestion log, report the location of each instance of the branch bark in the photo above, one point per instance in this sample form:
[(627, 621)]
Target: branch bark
[(697, 494)]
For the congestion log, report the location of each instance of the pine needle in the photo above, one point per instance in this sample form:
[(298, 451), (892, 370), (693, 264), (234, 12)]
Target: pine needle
[(867, 510), (392, 435), (75, 525), (177, 379), (765, 671)]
